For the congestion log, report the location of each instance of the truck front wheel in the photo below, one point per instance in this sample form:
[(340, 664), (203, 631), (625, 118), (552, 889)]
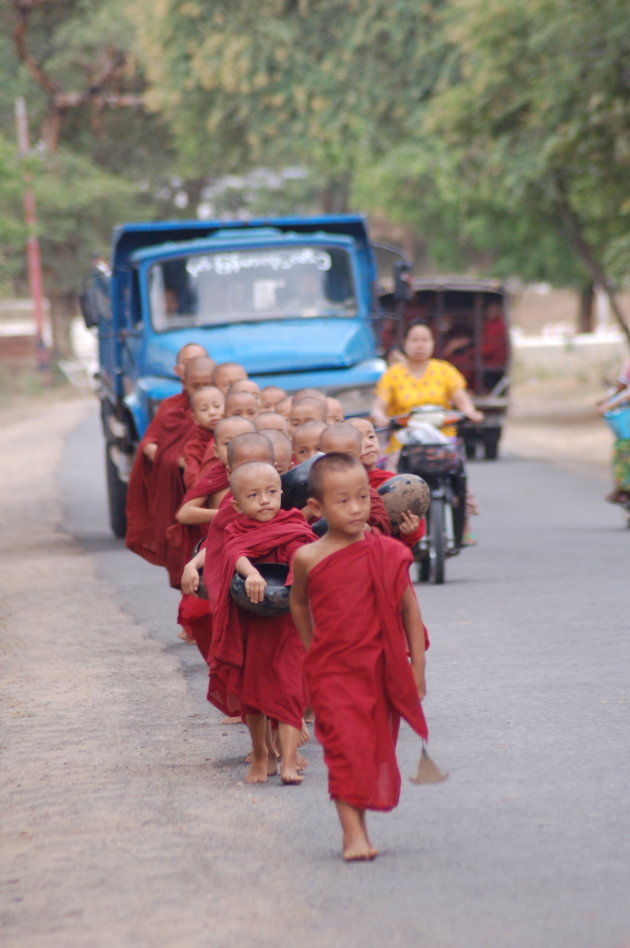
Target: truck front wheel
[(116, 496)]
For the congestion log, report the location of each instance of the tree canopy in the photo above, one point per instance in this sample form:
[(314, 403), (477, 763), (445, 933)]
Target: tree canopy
[(497, 132)]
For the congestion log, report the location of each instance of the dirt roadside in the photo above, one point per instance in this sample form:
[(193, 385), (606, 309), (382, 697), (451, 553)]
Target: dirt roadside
[(99, 782)]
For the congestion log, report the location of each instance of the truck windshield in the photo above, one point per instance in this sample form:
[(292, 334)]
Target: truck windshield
[(249, 285)]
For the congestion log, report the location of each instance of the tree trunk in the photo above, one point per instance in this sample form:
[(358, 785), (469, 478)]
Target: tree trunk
[(586, 254), (585, 313)]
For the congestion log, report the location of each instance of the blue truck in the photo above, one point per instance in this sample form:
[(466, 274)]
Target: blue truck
[(294, 300)]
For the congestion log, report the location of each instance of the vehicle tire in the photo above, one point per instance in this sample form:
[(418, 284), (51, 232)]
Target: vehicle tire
[(437, 541), (471, 450), (116, 496), (424, 569), (491, 446)]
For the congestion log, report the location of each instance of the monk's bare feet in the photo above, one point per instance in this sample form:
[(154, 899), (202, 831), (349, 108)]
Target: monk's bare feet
[(305, 735), (301, 763), (359, 852), (272, 766), (356, 845), (290, 776), (186, 637), (231, 721), (257, 772)]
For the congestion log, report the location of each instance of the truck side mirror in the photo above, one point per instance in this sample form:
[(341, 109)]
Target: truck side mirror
[(403, 290)]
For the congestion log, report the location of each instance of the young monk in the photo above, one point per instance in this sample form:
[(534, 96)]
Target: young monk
[(283, 407), (343, 438), (207, 406), (270, 395), (155, 486), (334, 410), (242, 403), (282, 448), (194, 614), (357, 614), (272, 419), (255, 661), (412, 528), (246, 385), (306, 439), (202, 500), (226, 373), (307, 408)]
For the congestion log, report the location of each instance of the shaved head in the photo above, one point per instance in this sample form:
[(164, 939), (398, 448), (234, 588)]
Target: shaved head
[(341, 438), (249, 446)]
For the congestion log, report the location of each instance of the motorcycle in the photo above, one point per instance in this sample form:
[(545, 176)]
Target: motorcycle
[(430, 454)]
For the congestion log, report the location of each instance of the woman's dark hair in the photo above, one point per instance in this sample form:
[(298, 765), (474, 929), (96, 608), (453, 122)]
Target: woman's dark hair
[(416, 322)]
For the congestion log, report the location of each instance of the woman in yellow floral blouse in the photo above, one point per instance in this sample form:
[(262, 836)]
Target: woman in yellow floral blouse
[(421, 380)]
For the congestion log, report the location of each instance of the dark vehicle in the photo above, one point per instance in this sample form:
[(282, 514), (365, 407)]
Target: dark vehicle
[(434, 458), (470, 322)]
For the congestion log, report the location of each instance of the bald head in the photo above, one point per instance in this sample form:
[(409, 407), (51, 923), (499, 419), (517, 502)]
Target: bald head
[(341, 438), (307, 409), (242, 403), (190, 351), (282, 448), (198, 373), (226, 373), (272, 419), (249, 446)]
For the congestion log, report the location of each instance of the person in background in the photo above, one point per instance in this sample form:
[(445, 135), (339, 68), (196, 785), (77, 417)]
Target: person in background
[(620, 493)]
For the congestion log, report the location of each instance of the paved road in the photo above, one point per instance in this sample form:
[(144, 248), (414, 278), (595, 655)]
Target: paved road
[(148, 838)]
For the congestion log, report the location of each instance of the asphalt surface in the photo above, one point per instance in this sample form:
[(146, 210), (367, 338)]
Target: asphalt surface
[(527, 844)]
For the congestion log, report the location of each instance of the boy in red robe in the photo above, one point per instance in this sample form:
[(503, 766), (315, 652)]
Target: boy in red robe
[(194, 613), (207, 406), (155, 486), (357, 614), (256, 661), (412, 528), (306, 439), (341, 437), (270, 395)]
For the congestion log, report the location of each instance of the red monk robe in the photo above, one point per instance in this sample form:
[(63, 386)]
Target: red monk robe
[(182, 538), (155, 487), (200, 442), (194, 613), (376, 477), (255, 661), (357, 669)]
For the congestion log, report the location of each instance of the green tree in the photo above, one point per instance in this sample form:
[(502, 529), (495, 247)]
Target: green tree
[(98, 156), (536, 112)]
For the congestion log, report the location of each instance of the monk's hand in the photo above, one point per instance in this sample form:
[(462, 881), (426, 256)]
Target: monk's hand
[(150, 450), (255, 587), (418, 677), (190, 579), (409, 522)]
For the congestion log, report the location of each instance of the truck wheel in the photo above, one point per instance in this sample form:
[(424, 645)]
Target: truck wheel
[(116, 496), (437, 551), (491, 446)]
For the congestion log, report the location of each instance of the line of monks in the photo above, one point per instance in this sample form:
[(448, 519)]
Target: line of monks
[(204, 501)]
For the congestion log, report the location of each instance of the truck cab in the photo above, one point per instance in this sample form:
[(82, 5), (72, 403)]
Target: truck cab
[(293, 300)]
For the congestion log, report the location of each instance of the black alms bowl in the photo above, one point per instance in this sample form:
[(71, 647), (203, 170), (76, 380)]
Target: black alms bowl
[(276, 599), (295, 484)]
